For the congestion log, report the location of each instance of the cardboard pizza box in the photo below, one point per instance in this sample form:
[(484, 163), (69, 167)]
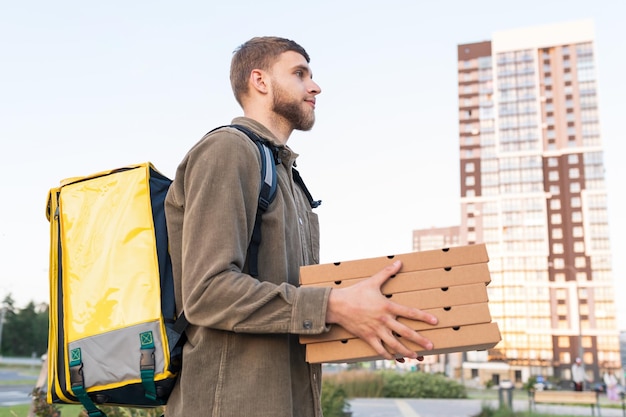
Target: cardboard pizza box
[(413, 261), (453, 316), (442, 297), (446, 340), (423, 279)]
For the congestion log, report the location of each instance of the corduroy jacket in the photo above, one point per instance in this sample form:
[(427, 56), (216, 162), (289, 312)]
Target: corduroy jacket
[(242, 357)]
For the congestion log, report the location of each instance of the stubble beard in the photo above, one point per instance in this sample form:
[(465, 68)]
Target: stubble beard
[(292, 111)]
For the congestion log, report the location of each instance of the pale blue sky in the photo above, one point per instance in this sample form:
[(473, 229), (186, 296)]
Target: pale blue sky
[(89, 86)]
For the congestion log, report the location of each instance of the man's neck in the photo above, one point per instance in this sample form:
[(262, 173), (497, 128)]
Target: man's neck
[(278, 127)]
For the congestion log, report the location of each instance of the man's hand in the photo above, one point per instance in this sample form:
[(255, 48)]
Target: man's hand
[(365, 312)]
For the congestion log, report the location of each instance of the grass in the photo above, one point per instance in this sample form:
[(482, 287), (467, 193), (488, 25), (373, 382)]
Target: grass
[(22, 410), (14, 411)]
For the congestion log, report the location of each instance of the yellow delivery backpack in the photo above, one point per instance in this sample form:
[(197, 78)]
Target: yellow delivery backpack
[(113, 335)]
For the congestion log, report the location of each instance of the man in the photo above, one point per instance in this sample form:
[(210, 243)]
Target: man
[(243, 357), (578, 375)]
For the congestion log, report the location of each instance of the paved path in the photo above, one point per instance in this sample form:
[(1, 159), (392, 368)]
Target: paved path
[(385, 407), (15, 394)]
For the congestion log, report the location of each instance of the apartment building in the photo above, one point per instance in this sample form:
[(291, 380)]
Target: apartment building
[(533, 189)]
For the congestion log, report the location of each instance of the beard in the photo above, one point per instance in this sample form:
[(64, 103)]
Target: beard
[(292, 111)]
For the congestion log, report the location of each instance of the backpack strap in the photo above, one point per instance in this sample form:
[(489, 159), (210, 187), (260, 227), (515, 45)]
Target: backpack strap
[(266, 195), (298, 179), (78, 384), (268, 153)]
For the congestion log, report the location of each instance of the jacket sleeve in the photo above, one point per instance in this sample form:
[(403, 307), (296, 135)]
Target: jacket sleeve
[(218, 196)]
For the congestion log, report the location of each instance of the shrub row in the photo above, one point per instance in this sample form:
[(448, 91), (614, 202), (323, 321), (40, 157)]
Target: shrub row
[(390, 384)]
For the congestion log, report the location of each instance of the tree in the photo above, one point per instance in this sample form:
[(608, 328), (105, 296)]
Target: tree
[(25, 331)]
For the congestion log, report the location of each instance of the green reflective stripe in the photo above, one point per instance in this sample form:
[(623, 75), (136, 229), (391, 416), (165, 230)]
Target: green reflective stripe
[(78, 385), (147, 364)]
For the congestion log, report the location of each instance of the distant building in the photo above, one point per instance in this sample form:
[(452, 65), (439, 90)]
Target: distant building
[(435, 238), (533, 189)]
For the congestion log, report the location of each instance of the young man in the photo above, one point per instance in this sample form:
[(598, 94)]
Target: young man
[(243, 357)]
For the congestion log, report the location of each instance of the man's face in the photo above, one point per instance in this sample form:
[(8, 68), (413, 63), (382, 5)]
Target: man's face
[(294, 91)]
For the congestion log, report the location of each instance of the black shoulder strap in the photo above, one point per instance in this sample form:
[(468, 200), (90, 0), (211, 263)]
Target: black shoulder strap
[(298, 179)]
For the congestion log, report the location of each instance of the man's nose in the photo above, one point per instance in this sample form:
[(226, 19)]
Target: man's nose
[(315, 88)]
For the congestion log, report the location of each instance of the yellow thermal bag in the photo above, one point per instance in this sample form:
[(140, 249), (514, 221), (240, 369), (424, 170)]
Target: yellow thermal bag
[(113, 338)]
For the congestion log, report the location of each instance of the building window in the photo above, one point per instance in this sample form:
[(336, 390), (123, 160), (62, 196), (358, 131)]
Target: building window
[(579, 247), (563, 341), (574, 187), (555, 190), (557, 248), (574, 173), (469, 167), (555, 218), (553, 175), (577, 231), (580, 262)]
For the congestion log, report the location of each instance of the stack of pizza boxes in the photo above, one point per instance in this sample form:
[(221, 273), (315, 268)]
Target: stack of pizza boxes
[(450, 283)]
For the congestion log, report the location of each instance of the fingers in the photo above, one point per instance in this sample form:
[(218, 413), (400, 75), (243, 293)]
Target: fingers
[(392, 348), (383, 275), (390, 345), (407, 346), (363, 311), (412, 313)]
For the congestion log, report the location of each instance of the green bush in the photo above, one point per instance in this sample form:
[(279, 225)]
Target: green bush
[(40, 406), (488, 411), (334, 400), (377, 384), (359, 383), (421, 385)]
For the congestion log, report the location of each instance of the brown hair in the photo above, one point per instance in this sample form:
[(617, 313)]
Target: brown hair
[(258, 53)]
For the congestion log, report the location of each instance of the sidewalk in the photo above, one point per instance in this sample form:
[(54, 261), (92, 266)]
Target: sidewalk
[(427, 407)]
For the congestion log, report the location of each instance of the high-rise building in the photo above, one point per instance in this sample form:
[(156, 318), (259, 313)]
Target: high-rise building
[(533, 189)]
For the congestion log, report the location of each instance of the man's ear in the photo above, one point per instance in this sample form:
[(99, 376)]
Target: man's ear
[(258, 81)]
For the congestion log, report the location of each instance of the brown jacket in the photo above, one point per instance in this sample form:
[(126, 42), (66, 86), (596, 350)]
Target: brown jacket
[(243, 357)]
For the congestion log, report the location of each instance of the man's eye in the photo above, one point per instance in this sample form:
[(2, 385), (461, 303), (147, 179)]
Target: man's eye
[(300, 74)]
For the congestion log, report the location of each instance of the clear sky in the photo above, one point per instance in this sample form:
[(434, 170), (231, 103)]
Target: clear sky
[(89, 86)]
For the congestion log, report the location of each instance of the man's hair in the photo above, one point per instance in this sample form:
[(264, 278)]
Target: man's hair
[(258, 53)]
